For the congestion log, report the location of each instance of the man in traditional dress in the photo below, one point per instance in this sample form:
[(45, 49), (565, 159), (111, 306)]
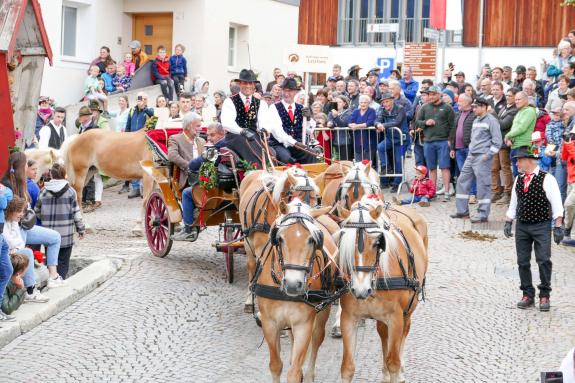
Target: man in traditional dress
[(53, 134), (535, 201), (286, 127), (242, 116)]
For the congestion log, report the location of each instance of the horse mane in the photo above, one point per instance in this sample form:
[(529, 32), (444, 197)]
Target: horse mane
[(297, 206), (299, 175), (64, 153)]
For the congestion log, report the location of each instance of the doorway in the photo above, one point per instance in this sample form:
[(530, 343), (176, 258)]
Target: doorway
[(153, 30)]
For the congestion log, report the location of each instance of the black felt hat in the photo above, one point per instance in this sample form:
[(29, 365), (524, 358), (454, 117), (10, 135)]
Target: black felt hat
[(525, 152), (290, 83), (247, 75)]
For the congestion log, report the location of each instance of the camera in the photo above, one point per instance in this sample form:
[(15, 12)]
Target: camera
[(552, 377)]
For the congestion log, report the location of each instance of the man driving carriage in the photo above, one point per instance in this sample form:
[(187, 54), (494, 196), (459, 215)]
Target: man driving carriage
[(286, 127), (183, 148)]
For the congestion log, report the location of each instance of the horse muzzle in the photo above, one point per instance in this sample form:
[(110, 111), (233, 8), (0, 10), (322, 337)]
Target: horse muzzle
[(294, 283)]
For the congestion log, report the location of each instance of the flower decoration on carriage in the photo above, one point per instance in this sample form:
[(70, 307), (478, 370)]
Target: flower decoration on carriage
[(208, 175), (248, 166), (151, 123), (373, 196), (365, 162)]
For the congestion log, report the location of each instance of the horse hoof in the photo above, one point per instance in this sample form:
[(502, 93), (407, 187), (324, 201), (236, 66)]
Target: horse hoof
[(249, 309), (336, 332), (258, 321)]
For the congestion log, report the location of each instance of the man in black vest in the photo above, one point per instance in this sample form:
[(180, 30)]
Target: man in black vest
[(53, 134), (286, 127), (242, 115), (535, 200)]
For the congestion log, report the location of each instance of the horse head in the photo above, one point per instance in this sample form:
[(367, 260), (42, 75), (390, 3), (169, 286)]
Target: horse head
[(365, 242), (361, 180), (297, 238), (294, 182)]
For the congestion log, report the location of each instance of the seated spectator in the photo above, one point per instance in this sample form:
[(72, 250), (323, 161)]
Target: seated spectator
[(58, 209), (220, 96), (202, 86), (161, 73), (216, 137), (179, 68), (102, 60), (139, 58), (206, 111), (5, 270), (31, 185), (92, 88), (422, 189), (365, 141), (129, 66), (338, 118), (109, 78), (122, 81), (15, 292), (16, 243), (182, 148)]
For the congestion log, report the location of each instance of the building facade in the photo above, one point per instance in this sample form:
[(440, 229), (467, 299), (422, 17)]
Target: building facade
[(497, 32), (221, 36)]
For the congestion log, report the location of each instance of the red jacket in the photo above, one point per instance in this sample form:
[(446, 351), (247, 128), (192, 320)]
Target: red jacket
[(422, 188), (160, 69), (541, 124), (568, 155)]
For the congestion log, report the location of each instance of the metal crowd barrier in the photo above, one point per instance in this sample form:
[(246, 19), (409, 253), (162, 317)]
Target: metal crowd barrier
[(362, 144)]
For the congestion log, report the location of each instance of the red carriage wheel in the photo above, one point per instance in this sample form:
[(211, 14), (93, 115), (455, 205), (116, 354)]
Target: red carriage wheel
[(158, 227)]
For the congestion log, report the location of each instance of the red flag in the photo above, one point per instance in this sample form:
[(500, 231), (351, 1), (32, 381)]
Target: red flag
[(437, 13)]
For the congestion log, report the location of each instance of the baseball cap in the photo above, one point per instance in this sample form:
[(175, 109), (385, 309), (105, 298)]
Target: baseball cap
[(267, 95), (520, 69), (332, 78), (383, 81), (508, 68), (434, 89), (536, 136), (421, 169), (460, 73), (134, 44), (386, 95), (481, 101)]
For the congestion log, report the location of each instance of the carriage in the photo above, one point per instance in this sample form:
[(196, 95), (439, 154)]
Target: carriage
[(215, 207)]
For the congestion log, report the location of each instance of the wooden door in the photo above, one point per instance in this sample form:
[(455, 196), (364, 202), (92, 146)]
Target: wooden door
[(153, 30)]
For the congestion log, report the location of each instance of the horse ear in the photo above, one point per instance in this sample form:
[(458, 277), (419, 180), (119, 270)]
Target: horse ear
[(367, 168), (53, 156), (342, 211), (283, 207), (320, 211), (291, 179), (376, 213)]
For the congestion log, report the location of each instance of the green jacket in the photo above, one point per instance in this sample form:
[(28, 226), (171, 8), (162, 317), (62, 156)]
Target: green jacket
[(13, 298), (444, 118), (522, 128)]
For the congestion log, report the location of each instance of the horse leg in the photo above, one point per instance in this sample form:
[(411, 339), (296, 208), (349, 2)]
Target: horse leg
[(406, 328), (336, 328), (272, 336), (251, 266), (383, 335), (82, 175), (301, 339), (349, 333), (317, 337), (393, 357)]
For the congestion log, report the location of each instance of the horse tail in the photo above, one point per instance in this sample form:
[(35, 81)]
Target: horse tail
[(64, 154)]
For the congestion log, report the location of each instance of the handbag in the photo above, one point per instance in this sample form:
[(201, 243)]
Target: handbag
[(29, 220)]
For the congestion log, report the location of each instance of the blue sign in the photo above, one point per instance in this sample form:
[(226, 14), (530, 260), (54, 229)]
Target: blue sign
[(386, 65)]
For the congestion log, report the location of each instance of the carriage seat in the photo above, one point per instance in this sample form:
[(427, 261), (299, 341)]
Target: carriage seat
[(158, 142)]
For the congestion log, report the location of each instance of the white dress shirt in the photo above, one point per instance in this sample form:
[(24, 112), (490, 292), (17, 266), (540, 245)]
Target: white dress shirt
[(552, 192), (45, 134), (276, 127), (228, 115)]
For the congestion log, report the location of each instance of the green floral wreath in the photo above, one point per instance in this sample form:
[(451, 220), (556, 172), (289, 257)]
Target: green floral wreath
[(208, 175), (248, 166)]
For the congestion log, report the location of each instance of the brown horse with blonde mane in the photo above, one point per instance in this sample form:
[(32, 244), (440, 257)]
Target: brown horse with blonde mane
[(114, 154), (384, 262), (296, 266)]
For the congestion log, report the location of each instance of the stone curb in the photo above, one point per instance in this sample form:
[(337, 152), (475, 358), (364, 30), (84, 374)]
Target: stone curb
[(79, 285)]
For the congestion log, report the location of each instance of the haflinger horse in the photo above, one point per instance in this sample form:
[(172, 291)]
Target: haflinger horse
[(295, 273), (384, 262), (44, 158), (260, 193), (114, 154)]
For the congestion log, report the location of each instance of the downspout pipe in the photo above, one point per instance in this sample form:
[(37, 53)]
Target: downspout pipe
[(480, 42)]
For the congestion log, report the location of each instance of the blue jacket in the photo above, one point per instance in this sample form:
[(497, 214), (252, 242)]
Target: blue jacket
[(5, 197), (33, 190), (409, 89), (178, 65), (365, 140), (406, 104), (109, 82), (195, 164), (137, 118), (396, 117)]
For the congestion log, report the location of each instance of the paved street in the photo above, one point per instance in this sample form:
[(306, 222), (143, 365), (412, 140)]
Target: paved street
[(177, 320)]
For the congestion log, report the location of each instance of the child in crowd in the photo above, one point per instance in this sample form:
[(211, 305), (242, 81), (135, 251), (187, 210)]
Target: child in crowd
[(15, 292), (5, 197), (538, 141), (129, 66), (92, 86), (109, 77), (179, 68), (122, 81), (161, 73), (58, 209), (16, 244), (422, 189)]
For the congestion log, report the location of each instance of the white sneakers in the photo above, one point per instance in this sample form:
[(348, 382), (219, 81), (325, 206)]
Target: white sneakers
[(36, 297), (58, 282)]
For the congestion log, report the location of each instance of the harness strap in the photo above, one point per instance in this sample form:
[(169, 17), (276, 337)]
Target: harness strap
[(275, 293)]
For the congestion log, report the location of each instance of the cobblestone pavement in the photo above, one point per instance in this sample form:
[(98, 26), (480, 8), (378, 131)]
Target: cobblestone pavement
[(177, 320)]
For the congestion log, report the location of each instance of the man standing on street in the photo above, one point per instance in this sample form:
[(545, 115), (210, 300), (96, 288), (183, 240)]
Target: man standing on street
[(522, 128), (437, 119), (535, 200), (485, 143)]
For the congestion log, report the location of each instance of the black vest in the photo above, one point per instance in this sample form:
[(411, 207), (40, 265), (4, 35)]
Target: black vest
[(247, 120), (533, 205), (56, 139), (294, 128)]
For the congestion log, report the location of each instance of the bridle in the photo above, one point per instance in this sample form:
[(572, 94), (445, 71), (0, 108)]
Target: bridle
[(356, 182), (305, 190)]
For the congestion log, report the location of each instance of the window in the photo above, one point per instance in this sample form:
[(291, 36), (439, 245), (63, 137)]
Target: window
[(69, 23), (148, 30), (412, 17), (232, 47)]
